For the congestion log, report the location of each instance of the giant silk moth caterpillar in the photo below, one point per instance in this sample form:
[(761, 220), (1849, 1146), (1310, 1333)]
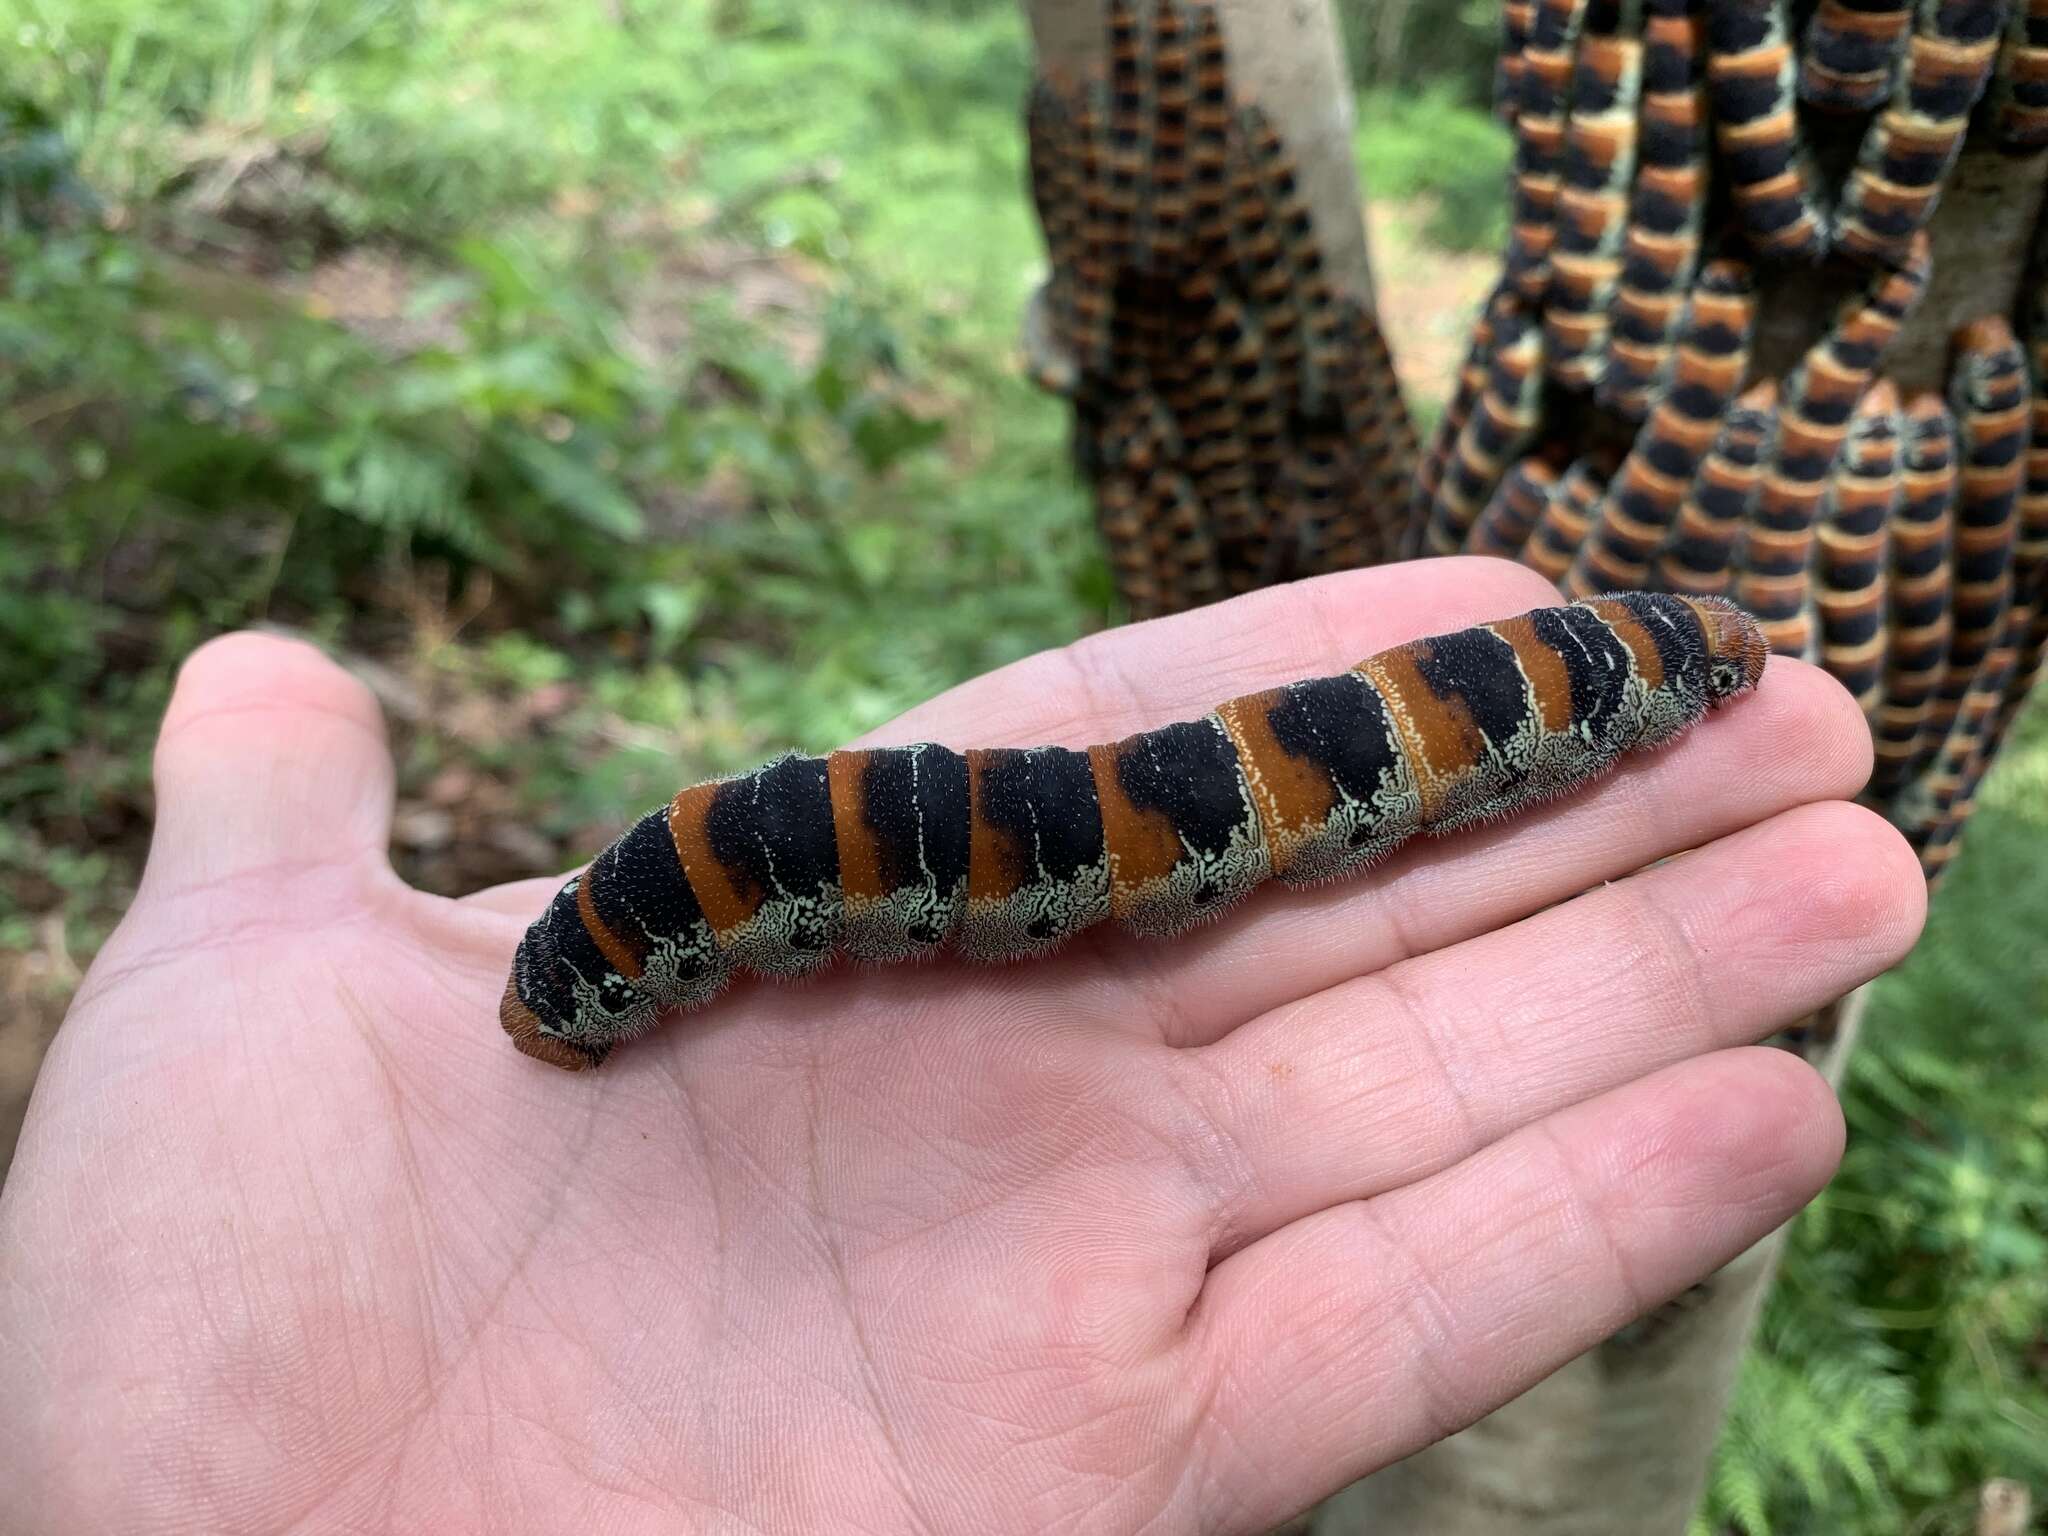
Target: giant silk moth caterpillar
[(896, 853)]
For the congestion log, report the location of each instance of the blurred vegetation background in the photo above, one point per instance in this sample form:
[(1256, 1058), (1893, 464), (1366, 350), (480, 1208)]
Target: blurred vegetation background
[(626, 389)]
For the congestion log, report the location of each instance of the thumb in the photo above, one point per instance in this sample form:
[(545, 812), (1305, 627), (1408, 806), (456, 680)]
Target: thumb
[(271, 759)]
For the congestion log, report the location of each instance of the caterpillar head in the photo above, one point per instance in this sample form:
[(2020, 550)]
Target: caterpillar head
[(1736, 648)]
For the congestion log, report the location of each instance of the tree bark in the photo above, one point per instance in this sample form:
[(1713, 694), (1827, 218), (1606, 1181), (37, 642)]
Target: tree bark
[(1209, 310), (1286, 55)]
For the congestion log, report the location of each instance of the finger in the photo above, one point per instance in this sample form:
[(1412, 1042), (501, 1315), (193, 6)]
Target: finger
[(1799, 738), (1372, 1085), (271, 759), (1363, 1332), (1144, 675)]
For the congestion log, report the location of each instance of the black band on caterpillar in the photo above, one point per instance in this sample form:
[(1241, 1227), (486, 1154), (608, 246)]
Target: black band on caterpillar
[(896, 853)]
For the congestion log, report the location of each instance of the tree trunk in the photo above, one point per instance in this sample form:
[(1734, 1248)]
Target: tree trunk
[(1209, 308), (1285, 56)]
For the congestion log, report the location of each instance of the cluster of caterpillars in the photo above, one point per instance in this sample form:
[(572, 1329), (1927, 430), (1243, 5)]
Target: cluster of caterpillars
[(897, 853), (1608, 428), (1236, 414)]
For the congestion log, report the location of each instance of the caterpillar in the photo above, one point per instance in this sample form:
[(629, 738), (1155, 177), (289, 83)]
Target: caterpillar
[(1430, 467), (1854, 548), (1591, 210), (1504, 527), (1909, 151), (1566, 519), (1642, 504), (892, 854), (1516, 17), (1661, 247), (1919, 623), (1539, 144), (1506, 417), (1700, 556), (1851, 51), (1753, 83), (2022, 86)]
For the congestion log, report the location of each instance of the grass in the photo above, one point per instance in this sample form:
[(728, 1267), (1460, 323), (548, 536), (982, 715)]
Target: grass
[(626, 398)]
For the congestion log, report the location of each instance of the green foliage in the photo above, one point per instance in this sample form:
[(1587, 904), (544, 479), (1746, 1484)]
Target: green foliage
[(1904, 1356), (1392, 44), (1433, 144)]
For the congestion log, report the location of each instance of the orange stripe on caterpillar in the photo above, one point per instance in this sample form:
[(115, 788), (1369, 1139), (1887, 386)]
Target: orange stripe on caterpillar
[(894, 853), (1851, 53)]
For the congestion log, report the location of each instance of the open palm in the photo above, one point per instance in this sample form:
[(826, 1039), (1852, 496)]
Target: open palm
[(1168, 1237)]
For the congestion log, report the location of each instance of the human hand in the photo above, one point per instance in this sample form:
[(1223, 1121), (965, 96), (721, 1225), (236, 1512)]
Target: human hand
[(1173, 1237)]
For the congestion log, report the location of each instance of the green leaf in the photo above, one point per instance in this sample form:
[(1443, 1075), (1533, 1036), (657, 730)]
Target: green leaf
[(567, 481)]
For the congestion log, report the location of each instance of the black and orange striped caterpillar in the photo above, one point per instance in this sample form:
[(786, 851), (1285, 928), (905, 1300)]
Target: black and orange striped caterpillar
[(895, 853)]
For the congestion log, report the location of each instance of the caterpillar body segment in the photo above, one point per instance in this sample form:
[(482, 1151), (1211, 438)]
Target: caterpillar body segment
[(1699, 559), (1852, 53), (1660, 248), (1643, 503), (2021, 87), (1854, 538), (1517, 506), (1910, 149), (1919, 622), (1753, 83), (891, 854)]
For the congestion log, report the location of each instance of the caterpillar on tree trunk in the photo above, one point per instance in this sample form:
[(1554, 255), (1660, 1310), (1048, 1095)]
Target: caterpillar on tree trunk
[(896, 853)]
